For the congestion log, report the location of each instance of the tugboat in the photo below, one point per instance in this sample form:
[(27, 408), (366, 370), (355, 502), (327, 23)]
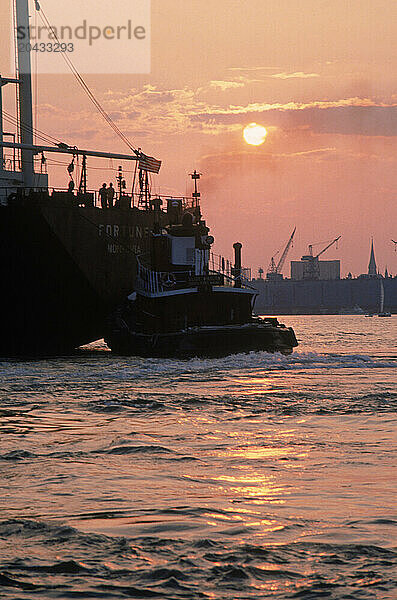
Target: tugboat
[(189, 303)]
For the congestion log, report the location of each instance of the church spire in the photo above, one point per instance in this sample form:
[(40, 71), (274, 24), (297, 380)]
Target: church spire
[(372, 262)]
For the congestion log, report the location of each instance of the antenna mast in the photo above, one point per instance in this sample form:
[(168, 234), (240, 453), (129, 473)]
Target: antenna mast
[(25, 92), (196, 194)]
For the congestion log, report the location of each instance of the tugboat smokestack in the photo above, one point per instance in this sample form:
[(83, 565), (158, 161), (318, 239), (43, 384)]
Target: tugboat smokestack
[(237, 264)]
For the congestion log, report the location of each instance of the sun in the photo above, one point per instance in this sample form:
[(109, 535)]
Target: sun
[(254, 134)]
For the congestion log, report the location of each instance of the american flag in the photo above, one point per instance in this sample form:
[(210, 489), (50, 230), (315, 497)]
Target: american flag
[(148, 163)]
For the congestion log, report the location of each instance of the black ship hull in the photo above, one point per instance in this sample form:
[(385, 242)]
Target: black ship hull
[(206, 342), (63, 269)]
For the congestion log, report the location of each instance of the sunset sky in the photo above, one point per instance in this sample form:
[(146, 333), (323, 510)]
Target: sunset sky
[(320, 75)]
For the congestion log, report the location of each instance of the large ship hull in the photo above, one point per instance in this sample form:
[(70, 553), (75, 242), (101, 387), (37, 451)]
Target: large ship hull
[(63, 269)]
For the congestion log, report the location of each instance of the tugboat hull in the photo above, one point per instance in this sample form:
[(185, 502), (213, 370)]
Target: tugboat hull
[(205, 341)]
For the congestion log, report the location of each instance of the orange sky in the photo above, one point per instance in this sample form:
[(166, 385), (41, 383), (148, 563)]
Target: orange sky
[(320, 75)]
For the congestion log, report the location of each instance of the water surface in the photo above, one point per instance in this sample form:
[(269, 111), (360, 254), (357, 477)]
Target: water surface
[(251, 476)]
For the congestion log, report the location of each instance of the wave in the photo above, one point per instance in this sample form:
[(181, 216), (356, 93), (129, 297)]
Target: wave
[(79, 564), (17, 455), (263, 360), (106, 370), (308, 360), (7, 581), (135, 450), (151, 450)]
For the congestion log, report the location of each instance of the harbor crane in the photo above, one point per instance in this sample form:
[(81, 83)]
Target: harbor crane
[(312, 266), (274, 270)]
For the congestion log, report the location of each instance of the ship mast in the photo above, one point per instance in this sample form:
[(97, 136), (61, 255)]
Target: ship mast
[(25, 93), (28, 177)]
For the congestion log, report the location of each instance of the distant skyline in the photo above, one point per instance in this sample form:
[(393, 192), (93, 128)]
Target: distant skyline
[(299, 250), (320, 76)]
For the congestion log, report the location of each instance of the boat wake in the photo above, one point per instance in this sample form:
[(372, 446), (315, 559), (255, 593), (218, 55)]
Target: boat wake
[(120, 368), (263, 361)]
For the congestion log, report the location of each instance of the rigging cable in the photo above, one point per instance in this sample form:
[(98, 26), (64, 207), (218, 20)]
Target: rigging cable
[(49, 139)]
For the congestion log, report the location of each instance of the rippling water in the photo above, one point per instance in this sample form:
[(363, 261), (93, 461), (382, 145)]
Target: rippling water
[(252, 476)]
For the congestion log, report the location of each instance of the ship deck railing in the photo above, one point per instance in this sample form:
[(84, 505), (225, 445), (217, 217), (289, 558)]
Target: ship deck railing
[(156, 282), (91, 197), (12, 162)]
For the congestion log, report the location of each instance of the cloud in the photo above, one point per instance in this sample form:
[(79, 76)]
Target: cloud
[(262, 107), (354, 120), (296, 75), (226, 85), (164, 112), (231, 161), (252, 69), (181, 110), (245, 74), (351, 116)]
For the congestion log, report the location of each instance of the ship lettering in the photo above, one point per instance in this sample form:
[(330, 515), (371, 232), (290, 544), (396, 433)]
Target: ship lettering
[(130, 231), (115, 249)]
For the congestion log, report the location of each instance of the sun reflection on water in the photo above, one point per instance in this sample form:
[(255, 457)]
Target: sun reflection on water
[(258, 452), (258, 487)]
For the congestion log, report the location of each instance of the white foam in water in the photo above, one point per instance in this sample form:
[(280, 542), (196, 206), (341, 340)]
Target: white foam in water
[(132, 368), (253, 361)]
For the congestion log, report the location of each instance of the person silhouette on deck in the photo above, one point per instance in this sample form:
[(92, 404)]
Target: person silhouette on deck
[(110, 195), (103, 196)]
